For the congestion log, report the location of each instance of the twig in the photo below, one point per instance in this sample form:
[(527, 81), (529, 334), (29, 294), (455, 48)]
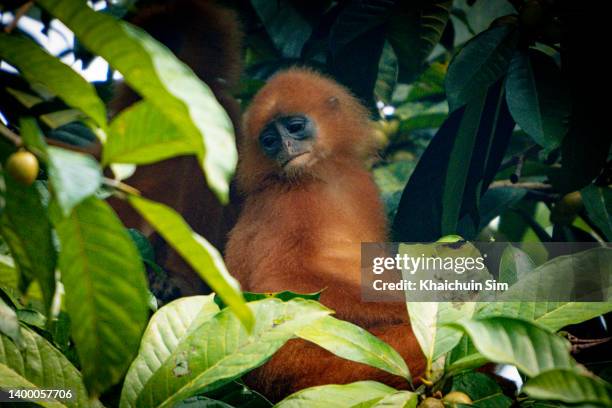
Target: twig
[(20, 12), (108, 182), (10, 135), (528, 185), (120, 186)]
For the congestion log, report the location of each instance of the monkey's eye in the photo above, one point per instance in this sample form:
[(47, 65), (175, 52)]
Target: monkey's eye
[(295, 126), (269, 142)]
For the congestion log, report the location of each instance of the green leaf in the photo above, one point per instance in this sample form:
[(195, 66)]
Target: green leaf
[(514, 265), (11, 380), (154, 72), (231, 395), (353, 343), (9, 277), (482, 389), (106, 291), (570, 387), (285, 295), (414, 30), (532, 349), (387, 75), (196, 251), (74, 177), (141, 134), (552, 315), (454, 171), (479, 64), (168, 326), (25, 227), (598, 204), (287, 29), (560, 279), (40, 68), (9, 324), (204, 360), (537, 98), (43, 366), (361, 394), (496, 201), (428, 320), (399, 399)]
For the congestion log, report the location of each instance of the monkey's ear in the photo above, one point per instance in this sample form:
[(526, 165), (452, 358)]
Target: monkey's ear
[(333, 102)]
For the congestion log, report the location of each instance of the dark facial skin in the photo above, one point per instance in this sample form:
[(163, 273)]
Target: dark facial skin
[(287, 137)]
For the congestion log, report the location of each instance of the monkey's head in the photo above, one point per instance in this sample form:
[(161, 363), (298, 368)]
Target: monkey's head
[(301, 125)]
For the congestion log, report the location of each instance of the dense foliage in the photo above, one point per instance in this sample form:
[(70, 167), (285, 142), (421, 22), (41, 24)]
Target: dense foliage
[(480, 135)]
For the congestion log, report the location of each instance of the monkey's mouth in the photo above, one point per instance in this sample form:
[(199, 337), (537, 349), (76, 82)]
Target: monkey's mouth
[(292, 158)]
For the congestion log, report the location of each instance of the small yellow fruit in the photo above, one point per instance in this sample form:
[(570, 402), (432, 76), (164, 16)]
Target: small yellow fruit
[(431, 402), (457, 397), (566, 209), (22, 166)]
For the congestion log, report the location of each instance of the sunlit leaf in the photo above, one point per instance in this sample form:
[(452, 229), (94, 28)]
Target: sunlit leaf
[(168, 326), (40, 68), (204, 360), (106, 291), (353, 343), (525, 345), (569, 386), (153, 72), (42, 365), (361, 394), (197, 252)]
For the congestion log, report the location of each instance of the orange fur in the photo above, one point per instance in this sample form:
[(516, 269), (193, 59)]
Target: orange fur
[(301, 228)]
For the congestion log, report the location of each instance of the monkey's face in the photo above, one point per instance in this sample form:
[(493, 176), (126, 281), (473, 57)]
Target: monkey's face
[(301, 126), (289, 140)]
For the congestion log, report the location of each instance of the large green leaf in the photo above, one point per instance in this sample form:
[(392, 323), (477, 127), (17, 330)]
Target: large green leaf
[(286, 27), (482, 61), (361, 394), (40, 68), (569, 386), (106, 291), (141, 134), (399, 399), (562, 279), (552, 315), (387, 75), (514, 264), (482, 389), (197, 252), (42, 365), (537, 98), (353, 343), (9, 323), (428, 320), (74, 177), (11, 380), (598, 204), (151, 70), (454, 171), (414, 30), (204, 360), (168, 326), (532, 349), (496, 201), (26, 229)]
